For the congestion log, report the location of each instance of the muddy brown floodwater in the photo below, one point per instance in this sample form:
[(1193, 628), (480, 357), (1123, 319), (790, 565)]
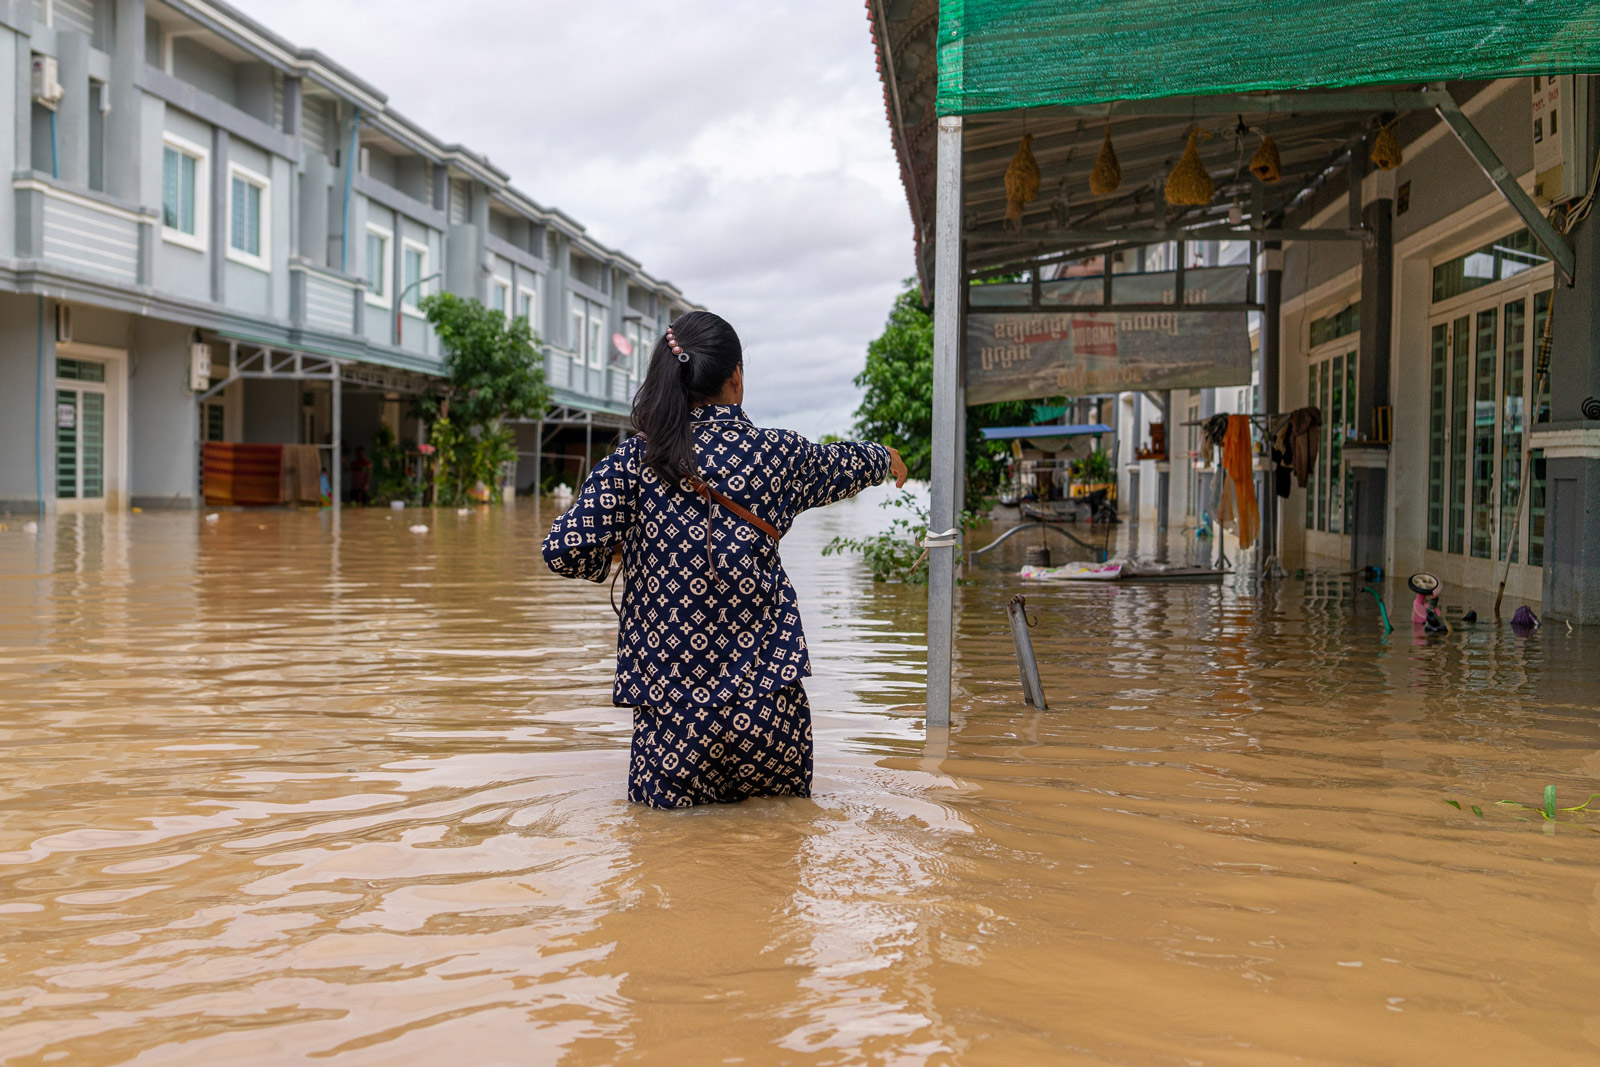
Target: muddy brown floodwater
[(268, 795)]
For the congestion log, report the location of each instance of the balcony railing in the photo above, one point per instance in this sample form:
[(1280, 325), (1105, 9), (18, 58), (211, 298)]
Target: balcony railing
[(326, 300), (82, 232)]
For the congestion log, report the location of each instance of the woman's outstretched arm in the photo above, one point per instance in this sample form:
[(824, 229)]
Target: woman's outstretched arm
[(581, 541), (831, 472)]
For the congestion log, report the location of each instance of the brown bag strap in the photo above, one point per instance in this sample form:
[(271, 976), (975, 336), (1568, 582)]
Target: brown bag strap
[(711, 495), (738, 509)]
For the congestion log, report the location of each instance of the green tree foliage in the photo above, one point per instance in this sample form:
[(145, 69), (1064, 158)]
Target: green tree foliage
[(496, 372), (896, 554), (897, 401)]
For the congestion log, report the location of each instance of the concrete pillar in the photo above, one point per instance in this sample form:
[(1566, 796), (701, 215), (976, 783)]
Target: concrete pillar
[(124, 131), (72, 113), (1164, 467), (315, 176), (1369, 471), (219, 214), (1571, 441), (480, 224), (1270, 397), (292, 103)]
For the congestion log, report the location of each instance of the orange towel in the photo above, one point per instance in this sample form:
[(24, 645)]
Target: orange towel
[(1239, 462)]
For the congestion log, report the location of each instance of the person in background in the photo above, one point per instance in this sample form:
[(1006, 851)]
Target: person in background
[(360, 477), (710, 651)]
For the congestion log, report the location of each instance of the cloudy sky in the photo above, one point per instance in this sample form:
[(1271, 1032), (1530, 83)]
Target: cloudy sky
[(737, 148)]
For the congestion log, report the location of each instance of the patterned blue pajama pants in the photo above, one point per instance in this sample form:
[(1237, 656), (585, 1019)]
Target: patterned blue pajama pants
[(697, 755)]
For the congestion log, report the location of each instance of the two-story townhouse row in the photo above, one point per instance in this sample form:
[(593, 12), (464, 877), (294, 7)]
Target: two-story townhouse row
[(216, 235)]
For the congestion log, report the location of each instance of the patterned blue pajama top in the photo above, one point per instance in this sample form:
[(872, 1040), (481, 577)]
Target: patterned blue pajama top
[(710, 651)]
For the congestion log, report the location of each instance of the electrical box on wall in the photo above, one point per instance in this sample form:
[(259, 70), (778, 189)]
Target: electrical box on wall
[(46, 84), (199, 367), (1560, 127)]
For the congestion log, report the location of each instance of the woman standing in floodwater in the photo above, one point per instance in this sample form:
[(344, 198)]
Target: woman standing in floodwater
[(709, 648)]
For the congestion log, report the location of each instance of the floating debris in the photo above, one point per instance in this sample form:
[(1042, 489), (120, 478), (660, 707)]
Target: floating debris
[(419, 528)]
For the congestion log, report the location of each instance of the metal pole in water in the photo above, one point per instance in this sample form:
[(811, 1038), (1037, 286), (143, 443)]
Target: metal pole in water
[(334, 461), (948, 292), (1027, 666)]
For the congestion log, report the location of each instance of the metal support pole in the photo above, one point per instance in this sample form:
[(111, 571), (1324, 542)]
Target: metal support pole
[(1271, 357), (947, 296), (538, 459), (588, 442), (334, 460), (1506, 182)]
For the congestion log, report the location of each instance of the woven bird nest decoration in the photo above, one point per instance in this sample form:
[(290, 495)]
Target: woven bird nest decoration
[(1189, 184), (1107, 172), (1265, 164), (1386, 154), (1022, 180)]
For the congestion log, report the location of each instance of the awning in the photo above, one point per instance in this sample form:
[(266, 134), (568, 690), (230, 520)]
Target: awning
[(1000, 54), (1008, 433)]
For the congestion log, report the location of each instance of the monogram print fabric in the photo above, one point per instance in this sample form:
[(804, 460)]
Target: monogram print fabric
[(693, 635), (687, 756)]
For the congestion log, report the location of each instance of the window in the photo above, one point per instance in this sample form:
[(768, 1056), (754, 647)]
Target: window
[(1480, 404), (596, 343), (528, 306), (379, 266), (1333, 391), (248, 207), (578, 320), (413, 268), (500, 295), (1495, 261), (216, 421), (183, 193), (1438, 376), (1339, 324), (1483, 435), (1460, 355)]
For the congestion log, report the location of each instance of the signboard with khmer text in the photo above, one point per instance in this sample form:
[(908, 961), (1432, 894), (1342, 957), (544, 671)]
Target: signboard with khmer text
[(1015, 354)]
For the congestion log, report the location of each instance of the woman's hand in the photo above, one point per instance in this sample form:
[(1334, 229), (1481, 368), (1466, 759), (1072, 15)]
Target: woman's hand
[(897, 469)]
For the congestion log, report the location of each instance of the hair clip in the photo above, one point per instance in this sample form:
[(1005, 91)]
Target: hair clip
[(677, 350)]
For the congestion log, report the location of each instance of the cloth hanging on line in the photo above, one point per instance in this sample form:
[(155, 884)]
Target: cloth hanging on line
[(1304, 438), (1237, 460)]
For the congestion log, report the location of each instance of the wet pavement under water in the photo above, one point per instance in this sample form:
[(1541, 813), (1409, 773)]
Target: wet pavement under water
[(271, 795)]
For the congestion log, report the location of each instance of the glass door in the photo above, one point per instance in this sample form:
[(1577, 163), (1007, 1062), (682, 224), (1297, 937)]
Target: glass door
[(80, 430), (1331, 389), (1480, 393)]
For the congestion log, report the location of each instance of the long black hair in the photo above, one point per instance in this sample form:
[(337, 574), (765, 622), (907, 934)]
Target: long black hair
[(672, 385)]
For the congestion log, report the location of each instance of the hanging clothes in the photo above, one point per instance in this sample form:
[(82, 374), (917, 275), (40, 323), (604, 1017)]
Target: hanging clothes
[(1238, 461), (1305, 437), (1281, 455)]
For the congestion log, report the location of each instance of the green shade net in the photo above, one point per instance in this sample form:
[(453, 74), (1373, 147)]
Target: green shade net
[(999, 54)]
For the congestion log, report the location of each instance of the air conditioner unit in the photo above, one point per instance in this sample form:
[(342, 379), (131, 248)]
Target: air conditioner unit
[(1559, 124), (199, 367), (64, 323), (46, 86)]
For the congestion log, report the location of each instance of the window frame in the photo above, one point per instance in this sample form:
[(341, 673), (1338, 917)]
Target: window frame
[(1329, 485), (384, 298), (500, 284), (408, 244), (535, 314), (597, 337), (202, 192), (261, 260)]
